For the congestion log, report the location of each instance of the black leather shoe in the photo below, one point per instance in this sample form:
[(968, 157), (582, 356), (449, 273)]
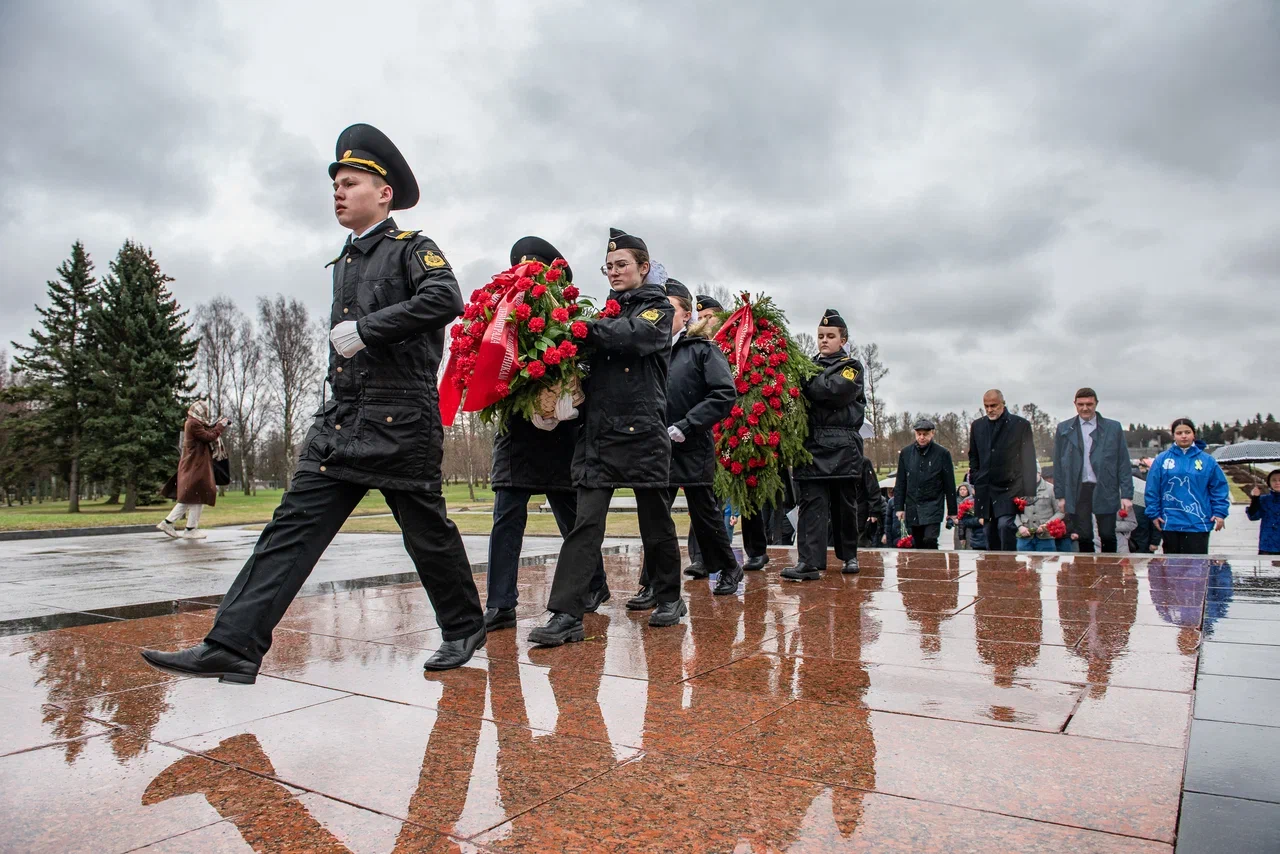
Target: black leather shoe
[(801, 572), (206, 660), (850, 566), (697, 569), (560, 629), (727, 583), (455, 653), (499, 618), (756, 563), (596, 598), (643, 601), (668, 613)]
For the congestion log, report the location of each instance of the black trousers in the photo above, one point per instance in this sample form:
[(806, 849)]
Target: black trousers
[(1185, 542), (304, 524), (706, 525), (510, 516), (926, 536), (1002, 534), (582, 548), (1082, 522), (823, 501)]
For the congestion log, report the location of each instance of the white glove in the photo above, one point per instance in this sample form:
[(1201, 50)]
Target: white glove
[(565, 410), (543, 423), (674, 432), (345, 339)]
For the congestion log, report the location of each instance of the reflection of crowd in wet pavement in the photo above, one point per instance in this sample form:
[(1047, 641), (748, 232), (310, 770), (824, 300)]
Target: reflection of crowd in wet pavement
[(790, 714)]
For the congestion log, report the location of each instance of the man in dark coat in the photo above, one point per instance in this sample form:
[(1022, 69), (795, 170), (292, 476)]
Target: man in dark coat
[(531, 458), (700, 392), (1002, 463), (393, 295), (623, 442), (827, 485), (926, 481), (1094, 474)]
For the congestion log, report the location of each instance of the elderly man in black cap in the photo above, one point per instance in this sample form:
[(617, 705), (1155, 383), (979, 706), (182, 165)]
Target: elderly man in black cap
[(531, 457), (828, 485), (393, 295), (926, 481), (623, 442), (700, 392)]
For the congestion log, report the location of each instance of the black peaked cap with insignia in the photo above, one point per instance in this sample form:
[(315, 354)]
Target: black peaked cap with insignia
[(536, 249), (368, 149), (619, 239), (705, 302), (831, 317), (676, 288)]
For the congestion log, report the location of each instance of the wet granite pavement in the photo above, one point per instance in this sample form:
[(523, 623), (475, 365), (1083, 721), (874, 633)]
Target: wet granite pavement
[(934, 702)]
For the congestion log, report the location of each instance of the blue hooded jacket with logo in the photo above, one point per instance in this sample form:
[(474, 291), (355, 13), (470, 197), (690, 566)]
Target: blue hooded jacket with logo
[(1186, 488)]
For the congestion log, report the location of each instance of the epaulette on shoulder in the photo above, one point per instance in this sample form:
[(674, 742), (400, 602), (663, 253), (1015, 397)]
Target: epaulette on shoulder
[(407, 235)]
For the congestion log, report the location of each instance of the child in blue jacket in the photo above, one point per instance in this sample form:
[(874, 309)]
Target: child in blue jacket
[(1266, 509), (1187, 493)]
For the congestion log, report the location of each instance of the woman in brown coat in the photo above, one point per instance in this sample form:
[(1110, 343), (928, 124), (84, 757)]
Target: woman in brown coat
[(201, 441)]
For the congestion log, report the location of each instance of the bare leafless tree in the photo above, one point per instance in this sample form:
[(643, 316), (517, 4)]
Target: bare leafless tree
[(215, 324), (247, 398), (807, 344), (291, 344), (874, 371)]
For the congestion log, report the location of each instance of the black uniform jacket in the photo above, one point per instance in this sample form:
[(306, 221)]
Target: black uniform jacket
[(700, 392), (382, 427), (1002, 459), (926, 482), (534, 460), (837, 407), (622, 441)]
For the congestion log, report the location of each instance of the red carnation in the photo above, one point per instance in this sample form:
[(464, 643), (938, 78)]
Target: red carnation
[(538, 291), (1056, 528), (742, 387), (774, 438), (775, 402), (743, 430), (560, 315), (727, 422), (724, 462), (611, 308), (559, 262), (964, 508), (736, 412), (770, 372), (757, 408), (756, 360), (735, 467), (793, 391), (907, 542), (755, 378), (554, 274), (478, 294), (763, 323), (752, 481), (573, 308), (571, 292), (533, 267), (523, 311), (456, 330), (552, 356), (1020, 504), (758, 438), (537, 324), (715, 430), (1124, 514), (524, 283), (536, 370), (753, 420), (733, 442), (579, 329), (471, 312), (502, 389), (568, 349)]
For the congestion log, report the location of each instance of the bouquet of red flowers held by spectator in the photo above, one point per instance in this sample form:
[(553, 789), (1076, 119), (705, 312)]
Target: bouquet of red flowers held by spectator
[(1056, 528), (965, 508), (907, 542), (1020, 504), (515, 352), (764, 433)]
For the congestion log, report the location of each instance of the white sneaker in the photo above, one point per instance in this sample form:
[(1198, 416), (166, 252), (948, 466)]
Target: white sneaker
[(194, 534), (167, 527)]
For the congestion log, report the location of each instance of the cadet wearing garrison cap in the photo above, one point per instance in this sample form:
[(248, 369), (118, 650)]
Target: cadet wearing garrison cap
[(828, 486), (393, 294)]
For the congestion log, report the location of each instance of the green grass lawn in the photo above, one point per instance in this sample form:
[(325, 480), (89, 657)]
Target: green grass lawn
[(232, 509)]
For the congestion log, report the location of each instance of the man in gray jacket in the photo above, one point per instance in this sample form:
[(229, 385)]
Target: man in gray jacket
[(1091, 461)]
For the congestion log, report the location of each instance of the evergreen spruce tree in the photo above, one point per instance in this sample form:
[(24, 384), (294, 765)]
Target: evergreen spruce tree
[(56, 367), (141, 364)]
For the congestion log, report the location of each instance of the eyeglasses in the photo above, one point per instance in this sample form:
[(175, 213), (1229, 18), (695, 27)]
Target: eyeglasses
[(614, 265)]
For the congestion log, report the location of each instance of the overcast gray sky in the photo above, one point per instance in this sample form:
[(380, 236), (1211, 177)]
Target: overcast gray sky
[(1032, 195)]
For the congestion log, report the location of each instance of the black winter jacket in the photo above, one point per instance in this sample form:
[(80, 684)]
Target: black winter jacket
[(700, 392), (926, 481), (623, 439), (1002, 462), (534, 460), (382, 427), (837, 407)]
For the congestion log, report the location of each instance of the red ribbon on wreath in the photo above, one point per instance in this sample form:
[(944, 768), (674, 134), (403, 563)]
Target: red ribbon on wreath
[(743, 324)]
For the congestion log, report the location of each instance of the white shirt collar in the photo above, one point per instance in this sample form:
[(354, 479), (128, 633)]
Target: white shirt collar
[(370, 230)]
